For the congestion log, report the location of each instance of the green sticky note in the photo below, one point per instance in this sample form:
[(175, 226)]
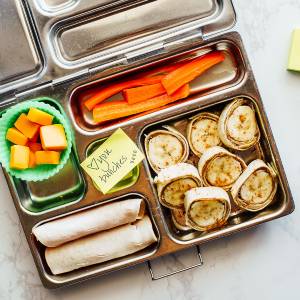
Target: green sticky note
[(294, 58), (112, 161)]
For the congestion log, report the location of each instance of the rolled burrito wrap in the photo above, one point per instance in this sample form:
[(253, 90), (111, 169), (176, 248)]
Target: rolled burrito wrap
[(101, 247), (69, 228)]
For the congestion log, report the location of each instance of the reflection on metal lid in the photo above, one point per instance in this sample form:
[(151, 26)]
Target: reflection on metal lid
[(78, 40), (18, 56)]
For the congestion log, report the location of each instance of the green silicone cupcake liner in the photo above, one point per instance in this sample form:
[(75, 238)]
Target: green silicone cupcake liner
[(41, 172)]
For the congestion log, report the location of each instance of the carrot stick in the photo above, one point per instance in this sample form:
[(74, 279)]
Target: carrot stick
[(114, 89), (142, 93), (118, 109), (185, 74)]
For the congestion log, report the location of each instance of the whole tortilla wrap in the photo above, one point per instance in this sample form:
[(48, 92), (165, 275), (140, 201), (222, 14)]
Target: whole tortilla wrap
[(101, 247), (69, 228)]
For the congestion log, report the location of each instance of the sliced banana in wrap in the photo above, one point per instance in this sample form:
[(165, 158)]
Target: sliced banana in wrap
[(206, 207), (256, 187), (237, 126), (218, 167), (179, 219), (173, 182), (202, 132), (165, 148)]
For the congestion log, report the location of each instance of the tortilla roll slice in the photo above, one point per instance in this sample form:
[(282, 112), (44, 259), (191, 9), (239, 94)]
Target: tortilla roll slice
[(165, 148), (202, 132), (256, 187), (173, 182), (72, 227), (207, 208), (238, 128), (218, 167), (101, 247), (179, 219)]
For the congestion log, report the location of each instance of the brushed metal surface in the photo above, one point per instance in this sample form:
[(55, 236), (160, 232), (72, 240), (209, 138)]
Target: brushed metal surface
[(62, 80), (20, 59)]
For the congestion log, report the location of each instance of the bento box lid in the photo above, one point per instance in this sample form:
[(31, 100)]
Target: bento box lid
[(56, 40)]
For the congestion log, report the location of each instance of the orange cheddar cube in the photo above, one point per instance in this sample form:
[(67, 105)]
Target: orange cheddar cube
[(28, 128), (15, 136), (19, 157), (40, 117), (53, 137), (32, 162), (47, 157), (34, 146)]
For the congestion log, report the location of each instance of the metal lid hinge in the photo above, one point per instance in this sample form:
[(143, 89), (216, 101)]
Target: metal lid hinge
[(145, 53)]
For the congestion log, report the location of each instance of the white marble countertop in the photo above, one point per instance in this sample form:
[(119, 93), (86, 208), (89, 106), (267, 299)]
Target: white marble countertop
[(262, 263)]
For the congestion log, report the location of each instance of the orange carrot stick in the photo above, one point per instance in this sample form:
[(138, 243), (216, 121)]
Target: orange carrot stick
[(142, 93), (114, 89), (185, 74), (118, 109)]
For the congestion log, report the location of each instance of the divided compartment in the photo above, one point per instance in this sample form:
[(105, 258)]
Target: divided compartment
[(222, 76), (52, 281), (129, 180), (239, 218), (66, 187)]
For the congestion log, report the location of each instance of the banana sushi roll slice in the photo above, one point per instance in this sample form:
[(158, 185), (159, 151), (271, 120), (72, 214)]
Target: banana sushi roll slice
[(165, 148), (179, 219), (173, 182), (206, 208), (202, 132), (237, 126), (256, 187), (218, 167)]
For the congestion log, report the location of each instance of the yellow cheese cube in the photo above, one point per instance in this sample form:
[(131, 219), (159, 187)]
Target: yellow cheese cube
[(15, 136), (47, 157), (38, 116), (19, 157), (28, 128), (53, 137), (32, 163)]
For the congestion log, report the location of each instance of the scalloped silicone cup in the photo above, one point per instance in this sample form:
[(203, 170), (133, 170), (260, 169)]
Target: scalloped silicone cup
[(41, 172)]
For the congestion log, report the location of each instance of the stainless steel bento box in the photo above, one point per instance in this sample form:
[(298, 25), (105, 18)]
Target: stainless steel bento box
[(52, 50)]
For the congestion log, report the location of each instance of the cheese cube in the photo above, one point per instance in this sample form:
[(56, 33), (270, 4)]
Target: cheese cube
[(34, 146), (53, 137), (15, 136), (38, 116), (32, 163), (28, 128), (47, 157), (19, 157)]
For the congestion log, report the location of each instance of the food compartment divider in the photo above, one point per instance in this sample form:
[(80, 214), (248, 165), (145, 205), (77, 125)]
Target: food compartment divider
[(66, 187), (262, 151), (75, 276), (220, 77)]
